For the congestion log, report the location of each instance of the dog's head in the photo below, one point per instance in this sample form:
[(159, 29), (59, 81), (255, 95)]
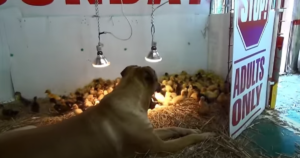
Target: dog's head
[(146, 75)]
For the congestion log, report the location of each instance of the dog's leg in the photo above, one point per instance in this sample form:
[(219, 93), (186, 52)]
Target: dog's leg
[(167, 133), (178, 144)]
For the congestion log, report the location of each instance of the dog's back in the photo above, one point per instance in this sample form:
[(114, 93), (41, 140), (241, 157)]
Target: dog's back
[(73, 138)]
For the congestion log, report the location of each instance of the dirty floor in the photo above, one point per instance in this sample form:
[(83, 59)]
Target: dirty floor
[(277, 132), (288, 98)]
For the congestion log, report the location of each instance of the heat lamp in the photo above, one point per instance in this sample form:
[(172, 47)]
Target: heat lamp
[(100, 60), (153, 56)]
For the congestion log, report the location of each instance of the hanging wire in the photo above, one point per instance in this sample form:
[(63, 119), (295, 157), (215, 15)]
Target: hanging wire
[(123, 39), (98, 18), (152, 23), (152, 19), (122, 9), (160, 5), (106, 32)]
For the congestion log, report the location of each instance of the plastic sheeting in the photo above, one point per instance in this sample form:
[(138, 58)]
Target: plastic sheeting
[(6, 86), (293, 52), (6, 90)]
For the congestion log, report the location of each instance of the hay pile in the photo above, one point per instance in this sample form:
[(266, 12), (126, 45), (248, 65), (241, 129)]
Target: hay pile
[(183, 115)]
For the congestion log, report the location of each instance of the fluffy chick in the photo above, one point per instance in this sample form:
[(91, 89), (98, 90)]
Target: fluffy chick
[(167, 99), (50, 95), (18, 97), (159, 97), (8, 113), (35, 107), (204, 107), (181, 97), (76, 109), (61, 109)]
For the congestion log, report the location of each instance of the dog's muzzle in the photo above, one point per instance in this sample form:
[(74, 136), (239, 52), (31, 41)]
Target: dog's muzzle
[(158, 88), (152, 104)]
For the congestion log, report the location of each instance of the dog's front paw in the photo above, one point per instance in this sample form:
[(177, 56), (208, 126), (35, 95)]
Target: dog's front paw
[(194, 131), (207, 135)]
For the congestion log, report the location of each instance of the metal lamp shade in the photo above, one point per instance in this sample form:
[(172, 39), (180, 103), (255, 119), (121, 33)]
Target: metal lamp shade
[(101, 61), (153, 56)]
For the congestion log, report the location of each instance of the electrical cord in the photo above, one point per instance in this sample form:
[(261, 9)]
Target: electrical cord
[(131, 30), (122, 39), (160, 6), (152, 24), (152, 19), (106, 32)]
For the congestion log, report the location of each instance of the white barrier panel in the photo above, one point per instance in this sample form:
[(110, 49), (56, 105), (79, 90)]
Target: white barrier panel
[(218, 43), (253, 29)]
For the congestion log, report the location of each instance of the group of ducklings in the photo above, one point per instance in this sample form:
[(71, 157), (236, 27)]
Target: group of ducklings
[(203, 87), (11, 113), (83, 98)]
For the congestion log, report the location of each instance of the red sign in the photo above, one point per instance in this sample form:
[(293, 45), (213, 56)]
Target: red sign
[(76, 2), (2, 2), (252, 20)]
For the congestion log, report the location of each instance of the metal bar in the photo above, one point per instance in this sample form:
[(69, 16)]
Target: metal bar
[(273, 47), (229, 64)]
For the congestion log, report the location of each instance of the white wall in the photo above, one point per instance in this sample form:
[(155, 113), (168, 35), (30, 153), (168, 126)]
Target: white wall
[(47, 50), (218, 43)]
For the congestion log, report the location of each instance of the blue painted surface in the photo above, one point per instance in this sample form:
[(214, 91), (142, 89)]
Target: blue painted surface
[(288, 97), (272, 139), (293, 115), (275, 139)]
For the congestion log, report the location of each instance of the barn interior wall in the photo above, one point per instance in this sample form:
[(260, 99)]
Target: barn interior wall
[(54, 52)]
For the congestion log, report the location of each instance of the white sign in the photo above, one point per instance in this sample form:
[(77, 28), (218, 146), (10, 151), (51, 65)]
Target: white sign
[(253, 28)]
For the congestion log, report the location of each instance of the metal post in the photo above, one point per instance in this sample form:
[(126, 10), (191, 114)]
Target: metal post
[(273, 48)]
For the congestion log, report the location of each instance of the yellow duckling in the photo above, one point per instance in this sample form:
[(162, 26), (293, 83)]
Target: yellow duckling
[(164, 82), (212, 94), (159, 97), (190, 90), (170, 83), (181, 97), (110, 89), (204, 107), (76, 109), (169, 88), (105, 92), (50, 95), (100, 97), (168, 98), (195, 95)]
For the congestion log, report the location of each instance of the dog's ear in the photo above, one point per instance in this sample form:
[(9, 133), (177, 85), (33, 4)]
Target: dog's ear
[(150, 75), (126, 70)]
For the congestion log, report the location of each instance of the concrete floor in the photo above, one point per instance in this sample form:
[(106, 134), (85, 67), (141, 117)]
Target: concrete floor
[(277, 131)]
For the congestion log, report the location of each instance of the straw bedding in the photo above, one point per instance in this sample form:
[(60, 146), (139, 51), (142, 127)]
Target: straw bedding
[(182, 115)]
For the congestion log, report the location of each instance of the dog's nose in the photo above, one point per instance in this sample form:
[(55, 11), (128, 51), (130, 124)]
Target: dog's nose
[(158, 88)]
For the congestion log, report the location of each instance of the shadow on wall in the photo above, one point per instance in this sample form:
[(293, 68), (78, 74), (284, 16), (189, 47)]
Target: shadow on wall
[(53, 52)]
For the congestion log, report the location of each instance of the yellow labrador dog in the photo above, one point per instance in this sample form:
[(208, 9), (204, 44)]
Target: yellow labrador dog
[(118, 127)]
